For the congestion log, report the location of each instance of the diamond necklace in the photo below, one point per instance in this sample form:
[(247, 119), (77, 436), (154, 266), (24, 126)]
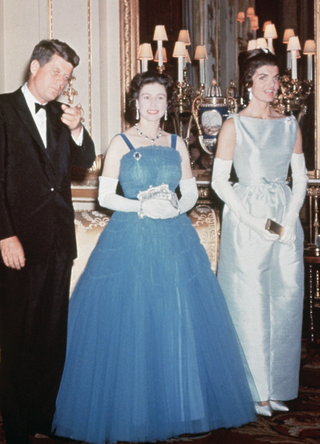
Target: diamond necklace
[(149, 138)]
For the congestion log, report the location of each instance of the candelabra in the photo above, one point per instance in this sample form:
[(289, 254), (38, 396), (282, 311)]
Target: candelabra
[(292, 96), (182, 107)]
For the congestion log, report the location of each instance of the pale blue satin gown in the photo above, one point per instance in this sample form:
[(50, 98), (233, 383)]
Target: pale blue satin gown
[(263, 281)]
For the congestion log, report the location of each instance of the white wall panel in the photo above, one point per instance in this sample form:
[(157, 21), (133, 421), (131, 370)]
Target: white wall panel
[(91, 27)]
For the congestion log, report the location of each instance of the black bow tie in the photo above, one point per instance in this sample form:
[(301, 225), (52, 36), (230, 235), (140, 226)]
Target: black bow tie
[(39, 106)]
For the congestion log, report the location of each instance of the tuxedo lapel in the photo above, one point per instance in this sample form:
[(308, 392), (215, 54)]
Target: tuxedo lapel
[(53, 125), (27, 119), (53, 128)]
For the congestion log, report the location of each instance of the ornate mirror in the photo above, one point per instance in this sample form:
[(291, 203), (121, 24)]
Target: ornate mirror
[(130, 39)]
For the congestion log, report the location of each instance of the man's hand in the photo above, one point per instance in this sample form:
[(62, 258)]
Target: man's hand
[(71, 117), (12, 252)]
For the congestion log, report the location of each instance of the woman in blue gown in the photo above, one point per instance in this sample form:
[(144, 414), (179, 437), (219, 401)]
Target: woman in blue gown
[(261, 274), (152, 352)]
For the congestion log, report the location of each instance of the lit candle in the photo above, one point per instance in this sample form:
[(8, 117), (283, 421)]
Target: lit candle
[(288, 60), (309, 49), (254, 25), (294, 74), (145, 54), (185, 38), (160, 35), (289, 32), (180, 69), (164, 56), (201, 55), (309, 66), (160, 61), (179, 52), (270, 33), (240, 19), (294, 46), (201, 66)]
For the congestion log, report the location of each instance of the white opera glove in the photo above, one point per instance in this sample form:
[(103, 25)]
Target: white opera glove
[(289, 235), (223, 188), (159, 209), (109, 199), (299, 187), (189, 194)]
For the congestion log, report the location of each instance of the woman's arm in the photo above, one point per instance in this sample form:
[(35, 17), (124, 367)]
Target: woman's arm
[(299, 186), (108, 181), (226, 141), (186, 171), (187, 185), (221, 185), (298, 145), (116, 150)]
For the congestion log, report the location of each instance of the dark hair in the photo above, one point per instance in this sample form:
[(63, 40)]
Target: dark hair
[(45, 49), (253, 60), (140, 80)]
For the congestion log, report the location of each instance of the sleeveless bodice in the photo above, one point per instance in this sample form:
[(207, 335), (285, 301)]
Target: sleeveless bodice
[(263, 149), (149, 166)]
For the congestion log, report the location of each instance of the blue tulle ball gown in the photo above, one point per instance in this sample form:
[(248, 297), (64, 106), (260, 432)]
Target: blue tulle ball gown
[(152, 352)]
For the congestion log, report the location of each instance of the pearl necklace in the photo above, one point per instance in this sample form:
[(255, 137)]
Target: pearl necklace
[(146, 137)]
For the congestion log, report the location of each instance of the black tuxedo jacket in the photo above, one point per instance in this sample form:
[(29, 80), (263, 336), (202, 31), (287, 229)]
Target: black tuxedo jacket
[(35, 194)]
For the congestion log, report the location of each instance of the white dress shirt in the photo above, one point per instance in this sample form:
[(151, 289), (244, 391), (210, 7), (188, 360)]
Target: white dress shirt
[(40, 118)]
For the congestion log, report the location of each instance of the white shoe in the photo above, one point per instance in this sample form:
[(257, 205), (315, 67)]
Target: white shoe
[(264, 410), (279, 406)]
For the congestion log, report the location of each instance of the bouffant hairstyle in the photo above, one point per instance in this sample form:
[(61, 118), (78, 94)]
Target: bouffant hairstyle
[(251, 61), (140, 80)]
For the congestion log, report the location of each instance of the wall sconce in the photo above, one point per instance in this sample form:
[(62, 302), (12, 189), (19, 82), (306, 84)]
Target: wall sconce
[(201, 55), (160, 35), (270, 33), (145, 54), (310, 50)]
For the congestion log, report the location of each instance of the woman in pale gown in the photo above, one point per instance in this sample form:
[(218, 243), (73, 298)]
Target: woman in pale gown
[(261, 274)]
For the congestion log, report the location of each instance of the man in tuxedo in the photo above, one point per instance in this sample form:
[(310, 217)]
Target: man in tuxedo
[(40, 139)]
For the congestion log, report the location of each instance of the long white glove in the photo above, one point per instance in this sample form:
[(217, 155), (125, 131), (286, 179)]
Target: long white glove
[(189, 194), (299, 186), (223, 188), (109, 199), (159, 209), (153, 208), (162, 209)]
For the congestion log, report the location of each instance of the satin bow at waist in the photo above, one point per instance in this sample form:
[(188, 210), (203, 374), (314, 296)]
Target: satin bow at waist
[(272, 189)]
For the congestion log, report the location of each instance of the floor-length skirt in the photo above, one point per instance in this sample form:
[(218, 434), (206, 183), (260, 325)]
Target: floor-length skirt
[(152, 351)]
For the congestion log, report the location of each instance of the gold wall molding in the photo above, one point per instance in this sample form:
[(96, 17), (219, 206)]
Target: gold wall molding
[(50, 20), (129, 43), (89, 68), (317, 87), (89, 49)]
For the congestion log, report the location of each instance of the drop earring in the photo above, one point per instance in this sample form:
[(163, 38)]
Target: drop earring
[(166, 115), (250, 93), (137, 114)]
